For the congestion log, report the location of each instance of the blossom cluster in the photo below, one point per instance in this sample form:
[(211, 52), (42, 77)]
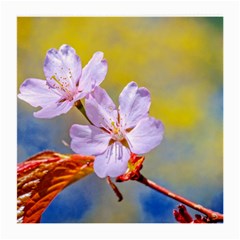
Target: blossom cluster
[(115, 132)]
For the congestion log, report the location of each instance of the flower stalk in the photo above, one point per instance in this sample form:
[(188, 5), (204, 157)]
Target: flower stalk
[(212, 216), (78, 104)]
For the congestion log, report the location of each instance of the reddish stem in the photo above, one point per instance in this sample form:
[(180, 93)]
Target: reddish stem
[(213, 216)]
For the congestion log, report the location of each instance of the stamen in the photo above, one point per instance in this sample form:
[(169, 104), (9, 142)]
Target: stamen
[(62, 85), (66, 74), (54, 78)]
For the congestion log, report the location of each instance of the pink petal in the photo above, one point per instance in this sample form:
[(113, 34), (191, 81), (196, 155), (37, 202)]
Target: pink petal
[(93, 73), (100, 108), (37, 93), (88, 139), (134, 104), (54, 109), (147, 134), (64, 64), (79, 95), (113, 162)]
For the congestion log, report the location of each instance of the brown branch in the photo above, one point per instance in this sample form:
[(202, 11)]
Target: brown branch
[(213, 216)]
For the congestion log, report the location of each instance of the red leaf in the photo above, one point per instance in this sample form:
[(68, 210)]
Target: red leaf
[(42, 177)]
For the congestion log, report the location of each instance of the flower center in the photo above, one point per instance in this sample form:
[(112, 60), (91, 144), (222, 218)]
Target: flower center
[(117, 133), (62, 85)]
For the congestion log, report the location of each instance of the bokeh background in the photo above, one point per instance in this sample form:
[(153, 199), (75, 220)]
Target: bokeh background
[(180, 60)]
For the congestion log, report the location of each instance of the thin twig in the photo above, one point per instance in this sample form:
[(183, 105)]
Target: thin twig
[(214, 216)]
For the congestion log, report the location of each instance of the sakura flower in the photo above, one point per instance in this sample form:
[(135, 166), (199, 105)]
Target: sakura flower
[(116, 133), (66, 81)]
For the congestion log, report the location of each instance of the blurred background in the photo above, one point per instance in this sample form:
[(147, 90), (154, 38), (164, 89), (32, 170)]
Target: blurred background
[(180, 60)]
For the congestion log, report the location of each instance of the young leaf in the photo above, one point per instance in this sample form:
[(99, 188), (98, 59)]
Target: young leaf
[(135, 164), (42, 177)]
